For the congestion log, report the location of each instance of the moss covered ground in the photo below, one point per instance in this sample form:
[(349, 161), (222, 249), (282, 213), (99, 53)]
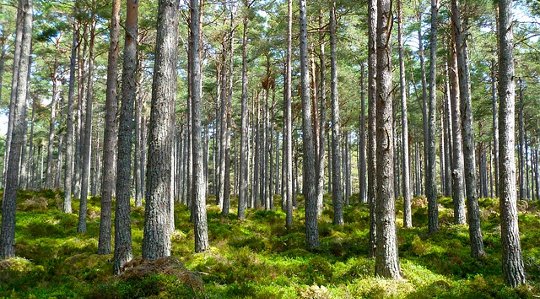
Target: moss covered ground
[(259, 258)]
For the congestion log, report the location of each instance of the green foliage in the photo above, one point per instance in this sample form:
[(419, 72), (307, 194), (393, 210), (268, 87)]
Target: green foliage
[(259, 258)]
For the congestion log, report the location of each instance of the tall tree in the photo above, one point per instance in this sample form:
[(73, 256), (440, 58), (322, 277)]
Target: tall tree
[(309, 181), (86, 140), (460, 32), (371, 142), (386, 258), (243, 196), (122, 223), (198, 190), (458, 187), (362, 138), (337, 194), (157, 232), (431, 184), (69, 121), (7, 234), (407, 214), (110, 138), (512, 261), (287, 156)]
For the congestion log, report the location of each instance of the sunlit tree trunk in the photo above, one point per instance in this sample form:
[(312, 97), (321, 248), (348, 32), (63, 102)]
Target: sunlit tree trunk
[(386, 258), (157, 232), (337, 195), (309, 177), (7, 235), (512, 261), (110, 134), (371, 142), (86, 139)]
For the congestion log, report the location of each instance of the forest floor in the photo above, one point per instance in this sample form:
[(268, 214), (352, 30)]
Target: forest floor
[(258, 258)]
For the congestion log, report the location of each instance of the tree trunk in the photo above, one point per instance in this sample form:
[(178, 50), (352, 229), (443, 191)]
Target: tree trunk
[(157, 232), (19, 33), (495, 126), (87, 138), (512, 262), (122, 222), (243, 196), (362, 139), (110, 134), (309, 178), (521, 147), (386, 261), (371, 142), (52, 122), (424, 94), (431, 184), (287, 155), (407, 213), (337, 195), (458, 187), (473, 210), (199, 196), (7, 235)]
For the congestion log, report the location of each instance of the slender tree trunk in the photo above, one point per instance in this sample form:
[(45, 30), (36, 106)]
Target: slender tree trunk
[(199, 196), (458, 180), (431, 184), (521, 147), (473, 210), (52, 122), (495, 126), (512, 262), (407, 213), (110, 134), (122, 222), (424, 93), (243, 196), (386, 260), (322, 120), (87, 140), (157, 232), (337, 195), (287, 155), (309, 177), (362, 139), (371, 143), (7, 235), (19, 33)]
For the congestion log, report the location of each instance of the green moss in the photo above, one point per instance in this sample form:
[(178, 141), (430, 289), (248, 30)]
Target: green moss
[(259, 258)]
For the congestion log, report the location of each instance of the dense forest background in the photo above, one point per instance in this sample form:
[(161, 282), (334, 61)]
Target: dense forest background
[(321, 149)]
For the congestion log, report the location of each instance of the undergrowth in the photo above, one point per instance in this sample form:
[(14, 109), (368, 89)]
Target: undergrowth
[(259, 258)]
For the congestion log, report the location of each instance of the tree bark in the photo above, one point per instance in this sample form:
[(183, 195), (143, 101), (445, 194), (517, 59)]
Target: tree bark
[(458, 187), (157, 232), (407, 213), (243, 196), (362, 139), (7, 235), (19, 33), (386, 260), (371, 142), (512, 262), (337, 195), (431, 184), (473, 210), (122, 222), (309, 178), (199, 196), (110, 138), (87, 138)]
